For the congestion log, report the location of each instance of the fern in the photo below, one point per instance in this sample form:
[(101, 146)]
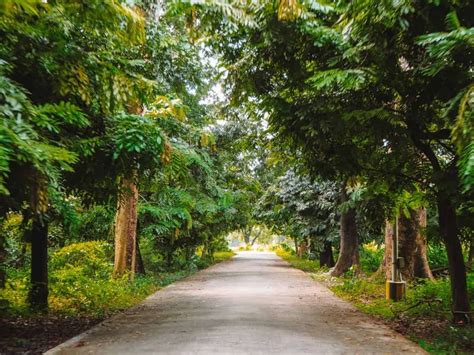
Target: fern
[(341, 79)]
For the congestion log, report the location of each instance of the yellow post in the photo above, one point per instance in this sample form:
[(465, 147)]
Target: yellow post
[(395, 288)]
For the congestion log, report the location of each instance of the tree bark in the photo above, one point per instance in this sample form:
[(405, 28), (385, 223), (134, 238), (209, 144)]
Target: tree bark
[(126, 229), (412, 246), (38, 294), (302, 248), (457, 269), (259, 233), (326, 257), (349, 249)]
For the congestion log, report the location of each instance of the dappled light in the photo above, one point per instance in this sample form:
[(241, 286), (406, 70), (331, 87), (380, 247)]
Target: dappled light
[(216, 176)]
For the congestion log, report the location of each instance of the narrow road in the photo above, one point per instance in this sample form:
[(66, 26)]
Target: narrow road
[(253, 304)]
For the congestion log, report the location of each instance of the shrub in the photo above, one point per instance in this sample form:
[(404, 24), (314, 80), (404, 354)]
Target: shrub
[(437, 256), (371, 255), (88, 259)]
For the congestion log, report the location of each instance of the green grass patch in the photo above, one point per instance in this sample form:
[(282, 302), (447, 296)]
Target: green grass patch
[(222, 256), (298, 263)]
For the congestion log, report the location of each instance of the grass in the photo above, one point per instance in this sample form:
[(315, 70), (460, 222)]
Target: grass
[(424, 315), (222, 256)]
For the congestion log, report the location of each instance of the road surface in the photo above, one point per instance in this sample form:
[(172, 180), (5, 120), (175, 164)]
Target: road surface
[(254, 303)]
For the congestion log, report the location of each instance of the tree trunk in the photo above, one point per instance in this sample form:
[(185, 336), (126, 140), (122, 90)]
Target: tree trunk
[(246, 232), (140, 266), (326, 257), (38, 294), (126, 229), (422, 268), (169, 259), (295, 239), (457, 269), (302, 248), (412, 246), (349, 249), (259, 233), (3, 255)]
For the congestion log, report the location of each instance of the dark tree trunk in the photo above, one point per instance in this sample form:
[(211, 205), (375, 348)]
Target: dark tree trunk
[(3, 255), (246, 232), (139, 266), (38, 295), (412, 246), (349, 250), (188, 252), (169, 259), (326, 257), (295, 239), (21, 260), (259, 233), (457, 269)]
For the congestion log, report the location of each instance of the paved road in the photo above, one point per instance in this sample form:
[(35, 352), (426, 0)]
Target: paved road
[(253, 304)]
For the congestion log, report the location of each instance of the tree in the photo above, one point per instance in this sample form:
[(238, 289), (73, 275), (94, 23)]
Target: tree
[(412, 246), (58, 75)]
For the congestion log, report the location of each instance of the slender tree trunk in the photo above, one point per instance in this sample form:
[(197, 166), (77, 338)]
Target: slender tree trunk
[(247, 231), (259, 233), (326, 257), (140, 266), (470, 258), (295, 239), (126, 229), (38, 295), (349, 249), (303, 248), (21, 260), (169, 259), (189, 252), (3, 255), (412, 246), (457, 269)]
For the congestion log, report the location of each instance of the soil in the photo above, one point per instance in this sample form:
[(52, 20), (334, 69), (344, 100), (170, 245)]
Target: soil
[(37, 334)]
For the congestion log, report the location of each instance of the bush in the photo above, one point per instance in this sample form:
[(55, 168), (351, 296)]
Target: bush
[(437, 257), (371, 255), (96, 223), (88, 259), (81, 281)]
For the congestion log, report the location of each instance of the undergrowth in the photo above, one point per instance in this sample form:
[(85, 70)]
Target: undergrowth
[(80, 283)]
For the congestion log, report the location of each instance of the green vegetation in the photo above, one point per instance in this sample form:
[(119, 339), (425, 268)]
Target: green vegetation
[(81, 282)]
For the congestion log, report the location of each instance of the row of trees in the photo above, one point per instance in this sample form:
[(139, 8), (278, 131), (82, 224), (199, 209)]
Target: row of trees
[(103, 131), (370, 95), (342, 115)]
